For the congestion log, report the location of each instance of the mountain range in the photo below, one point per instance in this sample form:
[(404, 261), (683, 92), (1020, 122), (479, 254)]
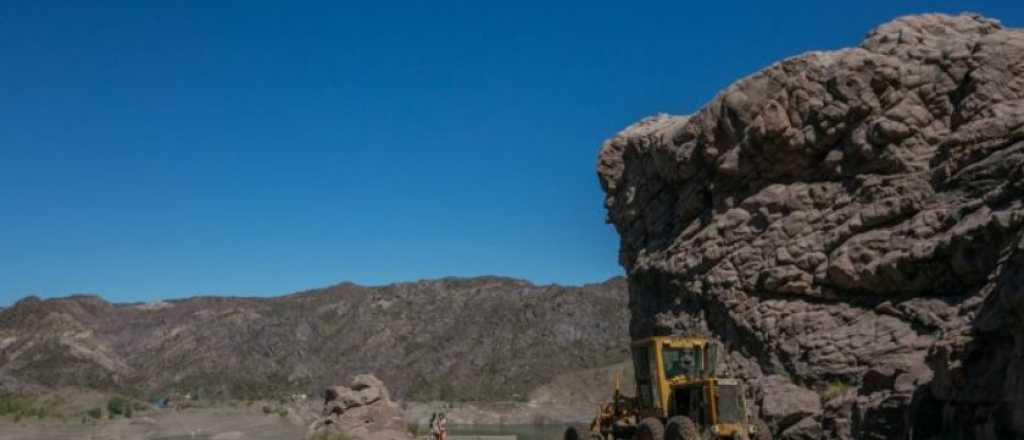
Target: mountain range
[(450, 339)]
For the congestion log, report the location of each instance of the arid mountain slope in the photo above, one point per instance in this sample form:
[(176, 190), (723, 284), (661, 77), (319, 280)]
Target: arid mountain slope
[(849, 224), (451, 339)]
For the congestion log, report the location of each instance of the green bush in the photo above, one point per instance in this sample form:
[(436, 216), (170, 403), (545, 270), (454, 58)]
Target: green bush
[(835, 389), (116, 406), (95, 413), (22, 406), (15, 404)]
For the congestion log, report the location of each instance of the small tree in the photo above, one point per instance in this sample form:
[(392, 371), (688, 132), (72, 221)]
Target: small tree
[(116, 406)]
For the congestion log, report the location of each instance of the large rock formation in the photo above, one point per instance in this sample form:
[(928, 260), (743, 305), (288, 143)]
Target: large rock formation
[(362, 411), (847, 223)]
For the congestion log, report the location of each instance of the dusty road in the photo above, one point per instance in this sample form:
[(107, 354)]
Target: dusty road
[(200, 424)]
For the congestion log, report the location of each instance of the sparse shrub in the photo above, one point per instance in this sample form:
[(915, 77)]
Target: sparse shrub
[(835, 389), (331, 436), (22, 406), (15, 404), (116, 406), (267, 409), (283, 412), (95, 413), (53, 402), (413, 428), (128, 412)]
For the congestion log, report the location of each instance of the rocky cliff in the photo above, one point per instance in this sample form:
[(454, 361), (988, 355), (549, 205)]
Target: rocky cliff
[(848, 224), (452, 339)]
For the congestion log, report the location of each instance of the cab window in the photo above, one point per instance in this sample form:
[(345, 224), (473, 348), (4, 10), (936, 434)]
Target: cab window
[(644, 387), (681, 361)]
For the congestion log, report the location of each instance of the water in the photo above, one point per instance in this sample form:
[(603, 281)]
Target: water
[(522, 432)]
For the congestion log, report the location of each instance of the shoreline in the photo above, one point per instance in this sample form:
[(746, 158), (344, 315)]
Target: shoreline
[(500, 413), (231, 420)]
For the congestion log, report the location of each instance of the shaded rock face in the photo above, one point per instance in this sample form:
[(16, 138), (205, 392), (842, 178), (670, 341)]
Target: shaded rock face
[(845, 220), (784, 405), (361, 411)]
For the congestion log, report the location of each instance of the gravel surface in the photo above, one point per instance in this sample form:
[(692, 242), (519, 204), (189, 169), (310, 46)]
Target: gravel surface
[(211, 424)]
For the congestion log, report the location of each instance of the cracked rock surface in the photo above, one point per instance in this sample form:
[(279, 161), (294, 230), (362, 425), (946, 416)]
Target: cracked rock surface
[(848, 224)]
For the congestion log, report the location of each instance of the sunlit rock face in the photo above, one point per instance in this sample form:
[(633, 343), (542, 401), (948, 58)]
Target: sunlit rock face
[(846, 223)]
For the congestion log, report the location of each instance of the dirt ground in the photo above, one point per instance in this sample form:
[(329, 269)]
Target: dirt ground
[(201, 424)]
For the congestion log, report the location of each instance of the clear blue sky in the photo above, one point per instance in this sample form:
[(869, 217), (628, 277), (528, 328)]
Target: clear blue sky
[(165, 149)]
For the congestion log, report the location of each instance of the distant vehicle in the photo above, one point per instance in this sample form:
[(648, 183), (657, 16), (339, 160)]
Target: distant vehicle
[(678, 397)]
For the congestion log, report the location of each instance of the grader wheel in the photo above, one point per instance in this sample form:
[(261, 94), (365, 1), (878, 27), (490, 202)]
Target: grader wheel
[(650, 429), (571, 434), (681, 428), (763, 433)]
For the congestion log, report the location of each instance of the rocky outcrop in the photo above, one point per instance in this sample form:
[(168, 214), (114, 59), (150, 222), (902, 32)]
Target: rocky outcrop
[(365, 390), (362, 411), (846, 221)]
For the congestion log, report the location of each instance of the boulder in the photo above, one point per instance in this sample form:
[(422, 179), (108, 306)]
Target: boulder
[(362, 411), (365, 390), (370, 388), (784, 404), (807, 428)]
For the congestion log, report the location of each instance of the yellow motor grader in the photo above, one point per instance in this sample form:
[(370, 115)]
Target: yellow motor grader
[(678, 397)]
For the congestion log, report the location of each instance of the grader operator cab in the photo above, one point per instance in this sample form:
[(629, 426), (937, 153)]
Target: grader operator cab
[(678, 397)]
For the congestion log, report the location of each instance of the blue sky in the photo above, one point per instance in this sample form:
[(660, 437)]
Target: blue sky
[(166, 149)]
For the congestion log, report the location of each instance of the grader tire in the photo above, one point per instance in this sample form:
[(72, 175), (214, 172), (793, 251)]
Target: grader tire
[(650, 429), (571, 434), (763, 433), (596, 436), (681, 428)]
